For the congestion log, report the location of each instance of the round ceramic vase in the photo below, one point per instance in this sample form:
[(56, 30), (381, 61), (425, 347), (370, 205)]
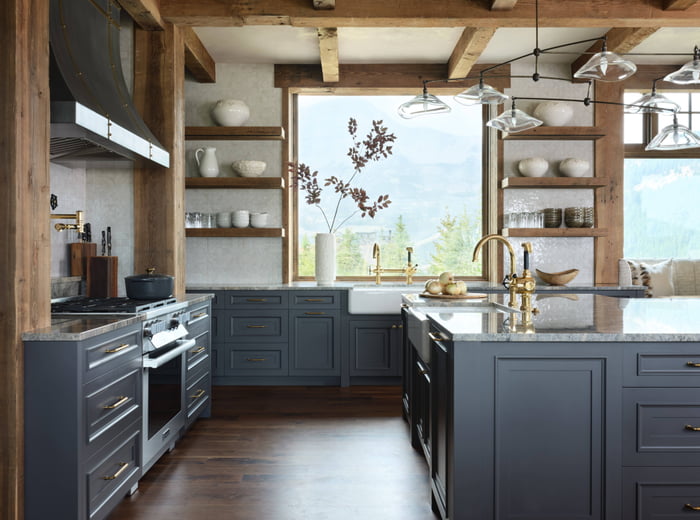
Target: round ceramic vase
[(230, 112), (533, 167), (554, 113)]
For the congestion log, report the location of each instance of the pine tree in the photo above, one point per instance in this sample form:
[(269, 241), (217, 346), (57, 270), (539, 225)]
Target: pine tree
[(306, 258), (453, 248), (394, 251), (349, 261)]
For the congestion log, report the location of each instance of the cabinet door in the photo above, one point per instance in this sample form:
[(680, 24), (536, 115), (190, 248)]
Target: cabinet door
[(375, 347), (314, 344), (438, 425)]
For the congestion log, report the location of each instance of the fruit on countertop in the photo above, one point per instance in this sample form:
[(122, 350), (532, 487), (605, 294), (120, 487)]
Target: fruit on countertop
[(446, 277), (446, 284), (433, 287)]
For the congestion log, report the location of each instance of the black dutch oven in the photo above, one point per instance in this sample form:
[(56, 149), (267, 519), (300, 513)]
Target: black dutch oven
[(149, 286)]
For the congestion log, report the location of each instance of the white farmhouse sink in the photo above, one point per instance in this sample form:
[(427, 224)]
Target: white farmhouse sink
[(378, 299)]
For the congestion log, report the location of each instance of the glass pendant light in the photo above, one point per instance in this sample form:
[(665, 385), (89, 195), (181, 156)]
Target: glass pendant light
[(651, 103), (481, 94), (423, 104), (674, 137), (513, 120), (688, 73), (606, 66)]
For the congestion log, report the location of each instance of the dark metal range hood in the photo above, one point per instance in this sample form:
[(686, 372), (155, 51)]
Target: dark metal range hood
[(93, 119)]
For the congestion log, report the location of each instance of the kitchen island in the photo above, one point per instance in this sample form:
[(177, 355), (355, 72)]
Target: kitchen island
[(592, 412)]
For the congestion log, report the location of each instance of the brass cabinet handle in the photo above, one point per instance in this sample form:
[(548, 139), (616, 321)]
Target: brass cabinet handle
[(200, 315), (436, 337), (692, 428), (121, 401), (121, 470), (199, 394), (257, 326), (423, 372), (117, 349), (198, 350), (314, 300), (692, 507), (257, 300), (256, 359), (693, 364), (397, 326), (315, 313)]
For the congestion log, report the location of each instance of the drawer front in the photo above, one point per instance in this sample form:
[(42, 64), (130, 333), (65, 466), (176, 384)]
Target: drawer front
[(110, 478), (112, 401), (110, 350), (199, 352), (255, 361), (257, 326), (217, 302), (661, 426), (309, 299), (199, 321), (661, 493), (257, 299), (198, 391), (663, 365)]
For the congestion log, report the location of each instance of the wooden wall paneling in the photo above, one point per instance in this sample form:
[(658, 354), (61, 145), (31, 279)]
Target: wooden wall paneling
[(159, 193), (25, 255), (609, 162)]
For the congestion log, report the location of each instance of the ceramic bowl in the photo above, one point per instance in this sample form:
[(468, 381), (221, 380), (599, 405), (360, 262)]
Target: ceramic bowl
[(573, 167), (560, 278), (230, 112), (249, 168), (554, 113), (258, 220), (533, 167)]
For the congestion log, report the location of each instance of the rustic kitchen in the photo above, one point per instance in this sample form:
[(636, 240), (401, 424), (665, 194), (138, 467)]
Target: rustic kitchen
[(164, 260)]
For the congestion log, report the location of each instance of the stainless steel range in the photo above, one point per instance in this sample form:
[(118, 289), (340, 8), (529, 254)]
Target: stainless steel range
[(164, 347)]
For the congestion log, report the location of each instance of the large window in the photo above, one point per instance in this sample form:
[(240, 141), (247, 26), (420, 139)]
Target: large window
[(434, 179), (661, 207)]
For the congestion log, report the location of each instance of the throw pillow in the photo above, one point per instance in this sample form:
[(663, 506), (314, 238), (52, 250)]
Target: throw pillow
[(658, 278)]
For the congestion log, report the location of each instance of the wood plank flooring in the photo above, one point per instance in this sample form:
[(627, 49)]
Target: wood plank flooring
[(290, 453)]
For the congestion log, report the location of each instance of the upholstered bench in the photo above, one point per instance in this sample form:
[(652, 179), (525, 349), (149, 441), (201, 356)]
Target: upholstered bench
[(661, 277)]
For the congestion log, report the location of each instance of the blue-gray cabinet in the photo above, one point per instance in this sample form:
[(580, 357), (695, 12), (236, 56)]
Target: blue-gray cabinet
[(314, 342), (199, 363), (374, 348)]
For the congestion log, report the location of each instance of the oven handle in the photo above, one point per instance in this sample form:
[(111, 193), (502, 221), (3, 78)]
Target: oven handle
[(183, 345)]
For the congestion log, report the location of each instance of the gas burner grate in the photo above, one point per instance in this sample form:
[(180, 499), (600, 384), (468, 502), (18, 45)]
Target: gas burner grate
[(108, 305)]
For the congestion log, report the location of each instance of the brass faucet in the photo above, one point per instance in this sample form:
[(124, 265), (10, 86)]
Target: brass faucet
[(77, 216), (409, 269), (517, 285)]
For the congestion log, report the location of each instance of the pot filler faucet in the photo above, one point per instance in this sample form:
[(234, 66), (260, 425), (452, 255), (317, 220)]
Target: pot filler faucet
[(517, 285), (409, 269)]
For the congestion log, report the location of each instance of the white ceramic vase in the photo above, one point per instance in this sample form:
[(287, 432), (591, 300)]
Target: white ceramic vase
[(533, 167), (230, 112), (554, 113), (206, 161), (573, 167), (325, 258)]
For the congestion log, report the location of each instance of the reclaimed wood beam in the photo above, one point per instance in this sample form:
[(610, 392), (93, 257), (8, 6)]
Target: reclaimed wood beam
[(678, 5), (419, 13), (503, 5), (328, 47), (468, 49), (145, 13), (619, 40), (324, 4), (198, 61)]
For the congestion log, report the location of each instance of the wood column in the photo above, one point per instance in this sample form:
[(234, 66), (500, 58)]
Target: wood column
[(159, 193), (25, 255)]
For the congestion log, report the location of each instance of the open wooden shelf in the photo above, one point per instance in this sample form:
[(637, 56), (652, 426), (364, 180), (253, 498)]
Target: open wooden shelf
[(554, 232), (234, 133), (554, 182), (261, 183), (576, 133), (235, 232)]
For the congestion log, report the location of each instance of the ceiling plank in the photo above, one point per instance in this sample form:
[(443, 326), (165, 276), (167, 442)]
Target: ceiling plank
[(198, 61), (146, 13), (328, 47), (619, 40), (419, 13), (468, 49), (324, 4), (678, 5), (503, 5)]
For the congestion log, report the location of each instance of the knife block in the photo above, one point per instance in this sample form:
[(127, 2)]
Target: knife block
[(79, 253), (102, 276)]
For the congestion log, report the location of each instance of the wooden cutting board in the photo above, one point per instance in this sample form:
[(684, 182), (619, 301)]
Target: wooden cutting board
[(102, 276), (79, 253)]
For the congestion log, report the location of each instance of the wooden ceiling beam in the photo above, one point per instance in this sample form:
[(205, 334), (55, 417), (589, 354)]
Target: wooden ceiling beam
[(619, 40), (146, 13), (419, 13), (503, 5), (328, 47), (468, 49), (678, 5), (198, 61), (324, 4)]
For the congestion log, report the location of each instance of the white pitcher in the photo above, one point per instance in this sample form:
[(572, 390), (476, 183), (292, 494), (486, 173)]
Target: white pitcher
[(208, 165)]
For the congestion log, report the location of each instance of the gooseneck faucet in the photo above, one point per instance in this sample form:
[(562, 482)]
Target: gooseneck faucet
[(409, 269), (509, 279)]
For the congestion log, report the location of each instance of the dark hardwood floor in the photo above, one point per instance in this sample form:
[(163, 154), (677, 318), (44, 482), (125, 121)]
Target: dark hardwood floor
[(290, 453)]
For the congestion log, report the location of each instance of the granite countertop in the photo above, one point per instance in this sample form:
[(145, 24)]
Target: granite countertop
[(578, 318), (78, 328)]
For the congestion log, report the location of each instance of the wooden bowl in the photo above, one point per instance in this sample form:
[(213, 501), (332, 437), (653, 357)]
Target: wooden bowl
[(561, 278)]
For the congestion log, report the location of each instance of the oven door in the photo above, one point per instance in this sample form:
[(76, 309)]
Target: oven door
[(163, 399)]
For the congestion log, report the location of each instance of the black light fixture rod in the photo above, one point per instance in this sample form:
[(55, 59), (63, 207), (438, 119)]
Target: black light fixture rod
[(573, 43), (587, 101)]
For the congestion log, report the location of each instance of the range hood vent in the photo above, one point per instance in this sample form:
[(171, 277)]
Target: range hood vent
[(93, 119)]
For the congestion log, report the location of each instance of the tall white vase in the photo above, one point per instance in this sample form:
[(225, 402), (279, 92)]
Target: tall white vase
[(325, 258)]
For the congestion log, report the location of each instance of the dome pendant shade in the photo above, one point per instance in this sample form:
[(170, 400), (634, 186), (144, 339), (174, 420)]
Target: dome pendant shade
[(651, 103), (513, 120), (688, 74), (423, 104), (481, 94), (674, 137), (606, 66)]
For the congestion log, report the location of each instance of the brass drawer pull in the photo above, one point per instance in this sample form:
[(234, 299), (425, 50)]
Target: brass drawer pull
[(117, 349), (693, 364), (198, 350), (199, 394), (315, 313), (121, 470), (692, 507), (256, 300), (256, 359), (122, 400), (257, 326), (423, 372), (692, 428), (200, 315), (314, 300), (436, 337)]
